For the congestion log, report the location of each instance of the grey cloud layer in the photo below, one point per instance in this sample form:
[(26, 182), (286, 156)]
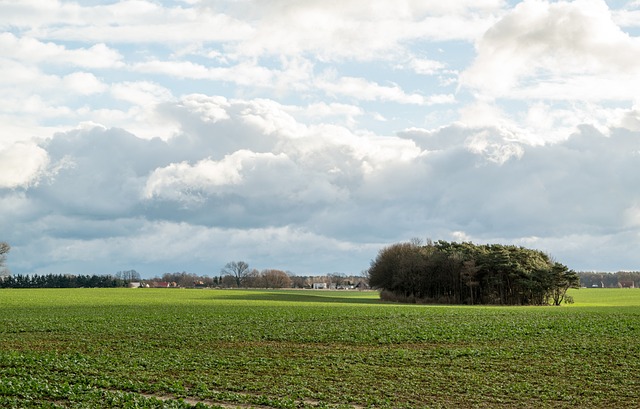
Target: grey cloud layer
[(245, 171)]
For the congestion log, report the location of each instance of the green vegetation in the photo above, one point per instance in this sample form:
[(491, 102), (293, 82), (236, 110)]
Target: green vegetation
[(61, 281), (467, 273), (619, 279), (176, 348)]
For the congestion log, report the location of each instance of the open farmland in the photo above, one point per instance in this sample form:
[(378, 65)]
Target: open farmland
[(173, 348)]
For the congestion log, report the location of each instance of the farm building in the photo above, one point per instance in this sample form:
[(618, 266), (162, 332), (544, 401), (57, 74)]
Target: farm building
[(164, 284)]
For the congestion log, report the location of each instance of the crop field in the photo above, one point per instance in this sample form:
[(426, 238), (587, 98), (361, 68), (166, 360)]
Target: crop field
[(178, 348)]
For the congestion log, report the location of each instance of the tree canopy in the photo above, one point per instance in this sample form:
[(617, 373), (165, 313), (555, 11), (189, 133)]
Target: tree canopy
[(466, 273), (60, 281)]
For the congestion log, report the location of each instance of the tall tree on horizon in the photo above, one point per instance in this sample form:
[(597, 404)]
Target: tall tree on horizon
[(238, 269), (4, 250)]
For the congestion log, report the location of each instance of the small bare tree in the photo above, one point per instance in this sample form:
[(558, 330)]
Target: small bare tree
[(4, 250)]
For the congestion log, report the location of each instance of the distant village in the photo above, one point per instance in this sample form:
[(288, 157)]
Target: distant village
[(132, 279), (266, 279)]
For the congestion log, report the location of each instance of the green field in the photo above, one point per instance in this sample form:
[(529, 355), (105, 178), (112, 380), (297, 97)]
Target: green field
[(176, 348)]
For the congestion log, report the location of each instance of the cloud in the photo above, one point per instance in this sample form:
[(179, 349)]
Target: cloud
[(545, 190), (16, 76), (425, 66), (329, 30), (21, 165), (247, 170), (128, 21), (555, 51), (141, 93), (153, 248), (83, 83), (631, 119), (629, 16), (321, 111), (264, 159), (32, 50), (181, 181), (295, 76), (96, 172), (338, 30), (136, 136), (360, 88), (245, 73)]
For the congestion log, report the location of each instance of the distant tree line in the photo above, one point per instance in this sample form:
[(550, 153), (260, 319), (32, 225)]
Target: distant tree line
[(238, 274), (269, 278), (609, 280), (60, 281), (235, 274), (466, 273)]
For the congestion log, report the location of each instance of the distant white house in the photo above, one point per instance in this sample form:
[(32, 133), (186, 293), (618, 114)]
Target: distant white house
[(319, 286)]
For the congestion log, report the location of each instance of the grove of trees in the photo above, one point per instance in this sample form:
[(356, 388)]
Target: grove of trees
[(466, 273), (60, 281), (238, 274), (128, 275)]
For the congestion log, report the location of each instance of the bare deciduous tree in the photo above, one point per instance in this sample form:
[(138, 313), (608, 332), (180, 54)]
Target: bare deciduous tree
[(4, 250), (238, 269)]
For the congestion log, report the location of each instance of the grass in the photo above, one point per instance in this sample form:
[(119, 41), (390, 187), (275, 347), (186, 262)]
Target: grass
[(173, 348), (607, 297)]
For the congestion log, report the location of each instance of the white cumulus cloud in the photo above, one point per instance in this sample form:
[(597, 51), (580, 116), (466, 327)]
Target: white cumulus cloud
[(21, 165), (561, 50)]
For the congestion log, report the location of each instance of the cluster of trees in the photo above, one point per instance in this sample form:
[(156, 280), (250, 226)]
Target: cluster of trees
[(184, 280), (466, 273), (128, 275), (238, 274), (609, 280), (60, 281)]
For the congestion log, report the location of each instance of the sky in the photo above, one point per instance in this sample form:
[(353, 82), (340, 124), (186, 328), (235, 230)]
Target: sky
[(170, 136)]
